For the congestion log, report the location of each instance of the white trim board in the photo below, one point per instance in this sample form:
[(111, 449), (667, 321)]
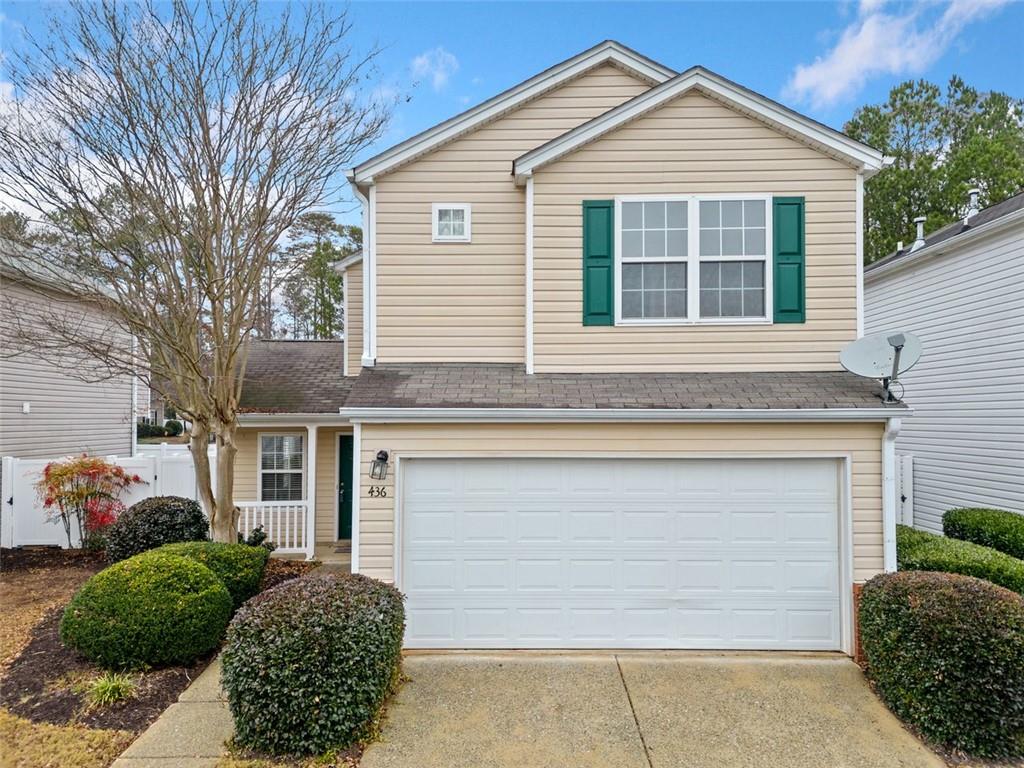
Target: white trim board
[(819, 136), (569, 415), (607, 52)]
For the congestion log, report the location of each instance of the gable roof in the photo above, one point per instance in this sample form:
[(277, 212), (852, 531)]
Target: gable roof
[(1002, 213), (608, 52), (775, 115)]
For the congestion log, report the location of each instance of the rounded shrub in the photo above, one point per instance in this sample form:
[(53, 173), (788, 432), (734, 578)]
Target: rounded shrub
[(238, 566), (153, 522), (946, 653), (173, 428), (308, 664), (922, 551), (996, 528), (154, 609)]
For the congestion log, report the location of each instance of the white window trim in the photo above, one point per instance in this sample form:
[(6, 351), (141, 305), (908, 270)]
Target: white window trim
[(259, 464), (467, 212), (693, 261)]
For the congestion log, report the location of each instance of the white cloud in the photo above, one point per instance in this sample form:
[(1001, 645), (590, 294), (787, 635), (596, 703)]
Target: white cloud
[(437, 65), (881, 43)]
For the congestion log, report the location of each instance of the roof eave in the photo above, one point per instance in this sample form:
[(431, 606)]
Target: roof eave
[(896, 262), (608, 52), (866, 159)]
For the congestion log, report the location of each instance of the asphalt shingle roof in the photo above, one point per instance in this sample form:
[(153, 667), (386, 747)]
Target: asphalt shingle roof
[(993, 212), (509, 386), (295, 377)]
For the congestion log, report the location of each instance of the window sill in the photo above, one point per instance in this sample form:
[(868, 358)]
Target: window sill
[(450, 240), (718, 321)]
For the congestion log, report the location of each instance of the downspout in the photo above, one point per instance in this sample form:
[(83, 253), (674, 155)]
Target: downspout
[(889, 506), (369, 267), (860, 253), (529, 274), (133, 419)]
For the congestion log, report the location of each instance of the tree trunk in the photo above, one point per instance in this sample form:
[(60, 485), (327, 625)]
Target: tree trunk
[(224, 524), (198, 446)]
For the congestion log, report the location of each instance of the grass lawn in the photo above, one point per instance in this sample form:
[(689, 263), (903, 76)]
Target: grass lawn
[(24, 744)]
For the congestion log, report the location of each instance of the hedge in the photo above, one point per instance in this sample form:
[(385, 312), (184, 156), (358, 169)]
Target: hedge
[(154, 609), (153, 522), (308, 664), (946, 653), (238, 566), (996, 528), (922, 551)]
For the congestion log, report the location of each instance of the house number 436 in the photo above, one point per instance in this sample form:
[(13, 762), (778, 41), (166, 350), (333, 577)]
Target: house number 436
[(377, 491)]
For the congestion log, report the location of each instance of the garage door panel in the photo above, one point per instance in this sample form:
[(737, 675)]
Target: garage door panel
[(668, 554), (536, 625)]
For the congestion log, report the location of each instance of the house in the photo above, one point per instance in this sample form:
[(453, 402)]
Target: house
[(41, 403), (961, 290), (590, 391)]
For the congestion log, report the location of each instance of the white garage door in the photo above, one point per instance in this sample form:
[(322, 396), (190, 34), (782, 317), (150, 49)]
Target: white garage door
[(603, 553)]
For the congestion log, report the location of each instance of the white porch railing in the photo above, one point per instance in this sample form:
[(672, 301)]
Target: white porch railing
[(283, 521)]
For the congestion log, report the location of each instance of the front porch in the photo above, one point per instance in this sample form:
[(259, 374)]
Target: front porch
[(295, 481)]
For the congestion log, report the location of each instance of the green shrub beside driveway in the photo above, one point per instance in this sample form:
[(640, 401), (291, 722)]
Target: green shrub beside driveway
[(946, 653), (996, 528), (308, 664), (922, 551)]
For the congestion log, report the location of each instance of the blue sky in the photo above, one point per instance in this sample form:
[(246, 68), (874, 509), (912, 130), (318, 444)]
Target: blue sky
[(822, 58)]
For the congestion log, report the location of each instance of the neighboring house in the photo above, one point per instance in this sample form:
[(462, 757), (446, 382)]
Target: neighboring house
[(961, 290), (591, 374), (44, 410)]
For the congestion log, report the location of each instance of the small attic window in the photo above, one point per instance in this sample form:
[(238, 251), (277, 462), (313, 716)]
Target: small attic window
[(452, 222)]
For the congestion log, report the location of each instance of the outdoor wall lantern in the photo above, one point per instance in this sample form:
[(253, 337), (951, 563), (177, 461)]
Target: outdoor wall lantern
[(379, 468)]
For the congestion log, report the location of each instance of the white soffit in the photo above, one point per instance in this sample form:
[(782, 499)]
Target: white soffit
[(780, 118), (608, 52)]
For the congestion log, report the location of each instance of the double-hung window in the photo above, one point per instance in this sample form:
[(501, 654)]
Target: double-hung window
[(692, 259), (282, 463)]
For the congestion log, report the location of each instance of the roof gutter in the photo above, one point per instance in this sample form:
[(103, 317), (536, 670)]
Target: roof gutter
[(893, 264), (289, 419), (605, 415)]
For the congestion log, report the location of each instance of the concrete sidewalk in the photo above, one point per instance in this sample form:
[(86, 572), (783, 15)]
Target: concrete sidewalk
[(190, 733)]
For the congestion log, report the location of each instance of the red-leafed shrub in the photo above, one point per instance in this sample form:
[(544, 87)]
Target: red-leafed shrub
[(84, 493)]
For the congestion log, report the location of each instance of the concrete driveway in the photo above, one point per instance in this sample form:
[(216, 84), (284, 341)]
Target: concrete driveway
[(640, 710)]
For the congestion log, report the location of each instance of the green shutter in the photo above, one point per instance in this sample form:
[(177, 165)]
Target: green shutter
[(598, 262), (788, 255)]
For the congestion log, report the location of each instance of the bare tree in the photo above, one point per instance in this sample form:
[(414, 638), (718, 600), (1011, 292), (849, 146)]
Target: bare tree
[(166, 148)]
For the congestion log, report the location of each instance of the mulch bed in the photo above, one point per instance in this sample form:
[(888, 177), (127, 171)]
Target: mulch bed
[(40, 685), (44, 683), (30, 558), (280, 571)]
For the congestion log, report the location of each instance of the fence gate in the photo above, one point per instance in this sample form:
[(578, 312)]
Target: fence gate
[(905, 488)]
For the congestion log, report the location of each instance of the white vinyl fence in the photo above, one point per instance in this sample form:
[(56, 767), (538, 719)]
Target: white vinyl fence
[(166, 470)]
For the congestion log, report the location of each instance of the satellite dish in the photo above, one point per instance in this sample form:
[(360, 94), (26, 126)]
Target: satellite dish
[(883, 356)]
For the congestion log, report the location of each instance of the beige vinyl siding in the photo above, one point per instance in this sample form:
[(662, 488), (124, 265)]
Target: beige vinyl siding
[(354, 319), (247, 473), (862, 441), (694, 145), (66, 415), (458, 302)]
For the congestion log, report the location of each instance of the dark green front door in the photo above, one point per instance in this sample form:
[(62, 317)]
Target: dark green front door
[(344, 486)]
